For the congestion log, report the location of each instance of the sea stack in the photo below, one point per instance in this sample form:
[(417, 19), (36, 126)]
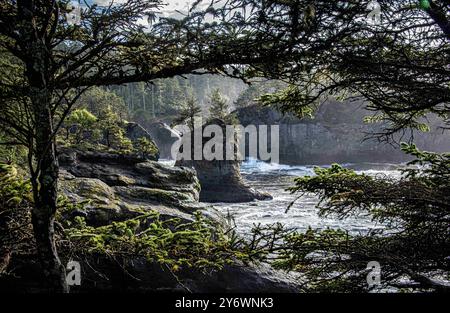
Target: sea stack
[(221, 180)]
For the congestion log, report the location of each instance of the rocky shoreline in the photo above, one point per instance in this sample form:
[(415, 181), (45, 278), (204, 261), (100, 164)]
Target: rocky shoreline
[(117, 188)]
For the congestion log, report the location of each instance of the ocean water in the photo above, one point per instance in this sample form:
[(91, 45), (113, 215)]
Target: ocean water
[(275, 179)]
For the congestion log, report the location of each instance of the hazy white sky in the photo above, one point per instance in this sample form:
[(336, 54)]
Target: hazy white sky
[(182, 5), (170, 5), (168, 9)]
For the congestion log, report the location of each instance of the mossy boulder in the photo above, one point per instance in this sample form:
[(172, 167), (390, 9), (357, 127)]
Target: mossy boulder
[(93, 189), (122, 170), (153, 195), (116, 188)]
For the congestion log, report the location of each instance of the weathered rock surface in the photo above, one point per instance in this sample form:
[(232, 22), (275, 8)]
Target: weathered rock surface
[(118, 188), (221, 180), (164, 137), (335, 134)]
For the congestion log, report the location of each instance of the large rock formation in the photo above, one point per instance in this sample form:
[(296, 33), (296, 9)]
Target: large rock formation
[(335, 134), (120, 187), (221, 180), (135, 131), (236, 278), (116, 188), (164, 137)]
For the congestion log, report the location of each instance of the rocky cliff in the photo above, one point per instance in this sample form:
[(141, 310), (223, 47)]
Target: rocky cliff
[(335, 134), (119, 186), (116, 188), (164, 137), (221, 180)]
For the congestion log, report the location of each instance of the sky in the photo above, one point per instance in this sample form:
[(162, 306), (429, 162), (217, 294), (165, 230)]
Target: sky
[(169, 5), (168, 9)]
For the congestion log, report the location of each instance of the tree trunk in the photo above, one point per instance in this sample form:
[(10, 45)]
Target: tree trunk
[(45, 203), (37, 57), (45, 190), (143, 100), (5, 253), (153, 100), (45, 185)]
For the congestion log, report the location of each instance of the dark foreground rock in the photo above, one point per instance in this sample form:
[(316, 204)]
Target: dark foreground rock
[(221, 180), (153, 277), (104, 275)]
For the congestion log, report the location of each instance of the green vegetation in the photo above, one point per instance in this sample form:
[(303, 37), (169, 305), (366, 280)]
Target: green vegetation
[(163, 98), (414, 244), (15, 199), (11, 153), (168, 242), (288, 98), (100, 100), (219, 107), (146, 147), (251, 95), (83, 130), (83, 121), (399, 68), (198, 244), (190, 110)]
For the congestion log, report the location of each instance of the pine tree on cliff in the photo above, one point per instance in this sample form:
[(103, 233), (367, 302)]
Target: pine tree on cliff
[(218, 105), (190, 110)]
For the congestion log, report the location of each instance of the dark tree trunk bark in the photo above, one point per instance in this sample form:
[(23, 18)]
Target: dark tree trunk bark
[(45, 186), (5, 253), (37, 58), (45, 203), (46, 182)]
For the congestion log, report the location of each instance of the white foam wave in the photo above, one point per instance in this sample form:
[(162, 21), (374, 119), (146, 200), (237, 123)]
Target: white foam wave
[(254, 166)]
